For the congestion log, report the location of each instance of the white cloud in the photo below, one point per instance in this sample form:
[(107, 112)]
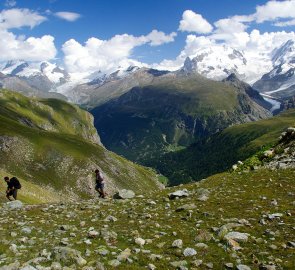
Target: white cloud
[(30, 49), (10, 3), (107, 55), (274, 10), (158, 38), (68, 16), (17, 18), (193, 22), (285, 23)]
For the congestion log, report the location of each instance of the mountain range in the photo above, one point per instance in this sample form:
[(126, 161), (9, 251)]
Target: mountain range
[(271, 74)]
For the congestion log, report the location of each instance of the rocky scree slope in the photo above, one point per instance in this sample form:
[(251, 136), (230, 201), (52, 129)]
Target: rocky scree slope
[(221, 150), (174, 111), (279, 156), (54, 144), (233, 220)]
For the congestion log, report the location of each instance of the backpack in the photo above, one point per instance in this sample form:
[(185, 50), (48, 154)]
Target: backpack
[(17, 184)]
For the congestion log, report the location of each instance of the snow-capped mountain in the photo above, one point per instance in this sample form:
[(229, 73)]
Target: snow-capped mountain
[(270, 72), (280, 81), (43, 76), (219, 61)]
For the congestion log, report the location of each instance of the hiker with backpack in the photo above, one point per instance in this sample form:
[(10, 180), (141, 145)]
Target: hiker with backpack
[(13, 185), (99, 183)]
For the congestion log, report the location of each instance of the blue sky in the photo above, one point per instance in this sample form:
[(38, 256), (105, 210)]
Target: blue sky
[(103, 20)]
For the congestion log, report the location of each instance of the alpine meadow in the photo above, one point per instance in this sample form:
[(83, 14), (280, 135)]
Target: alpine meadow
[(147, 135)]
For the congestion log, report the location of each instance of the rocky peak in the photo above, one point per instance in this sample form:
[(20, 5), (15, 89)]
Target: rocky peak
[(284, 54)]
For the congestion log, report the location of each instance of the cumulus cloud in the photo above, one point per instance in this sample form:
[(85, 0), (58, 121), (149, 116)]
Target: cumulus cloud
[(274, 10), (158, 38), (107, 55), (13, 47), (30, 49), (17, 18), (193, 22), (68, 16)]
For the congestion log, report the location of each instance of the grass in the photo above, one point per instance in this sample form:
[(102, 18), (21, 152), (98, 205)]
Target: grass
[(222, 150), (232, 197), (63, 158)]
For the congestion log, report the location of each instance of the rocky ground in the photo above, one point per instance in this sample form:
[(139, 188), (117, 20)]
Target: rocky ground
[(239, 220)]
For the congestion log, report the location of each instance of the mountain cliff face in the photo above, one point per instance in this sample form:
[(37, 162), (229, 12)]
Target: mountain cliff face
[(53, 144), (172, 112)]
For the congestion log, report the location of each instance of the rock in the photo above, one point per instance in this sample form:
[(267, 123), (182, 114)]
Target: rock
[(190, 206), (201, 246), (197, 263), (13, 266), (13, 205), (267, 267), (123, 256), (189, 252), (178, 264), (151, 266), (179, 193), (28, 267), (68, 255), (111, 219), (229, 265), (114, 263), (291, 244), (243, 267), (237, 236), (233, 244), (139, 241), (177, 243), (203, 198), (26, 230), (125, 194)]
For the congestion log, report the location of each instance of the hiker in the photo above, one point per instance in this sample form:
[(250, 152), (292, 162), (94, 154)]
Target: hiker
[(99, 183), (12, 186)]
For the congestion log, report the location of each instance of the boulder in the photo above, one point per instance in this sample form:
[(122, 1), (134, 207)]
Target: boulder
[(179, 193), (13, 205), (124, 194), (237, 236)]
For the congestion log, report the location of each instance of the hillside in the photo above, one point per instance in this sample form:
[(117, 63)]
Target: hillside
[(172, 112), (54, 144), (228, 221), (222, 150)]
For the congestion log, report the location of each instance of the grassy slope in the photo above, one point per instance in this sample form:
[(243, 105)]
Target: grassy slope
[(47, 114), (232, 197), (63, 160), (29, 193), (222, 150)]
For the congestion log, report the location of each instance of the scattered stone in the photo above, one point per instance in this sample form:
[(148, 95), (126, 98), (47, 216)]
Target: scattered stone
[(186, 207), (177, 243), (13, 205), (237, 236), (243, 267), (177, 264), (229, 265), (68, 255), (201, 246), (151, 266), (179, 193), (189, 252), (123, 256), (125, 194), (114, 263), (139, 241)]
